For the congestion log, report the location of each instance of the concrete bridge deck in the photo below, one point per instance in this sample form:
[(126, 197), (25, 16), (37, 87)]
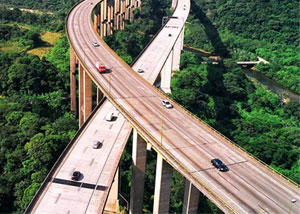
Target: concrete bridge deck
[(187, 144)]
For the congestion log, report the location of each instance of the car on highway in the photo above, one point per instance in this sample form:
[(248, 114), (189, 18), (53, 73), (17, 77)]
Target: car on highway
[(96, 144), (140, 70), (96, 44), (75, 176), (109, 116), (219, 165), (167, 104), (100, 67)]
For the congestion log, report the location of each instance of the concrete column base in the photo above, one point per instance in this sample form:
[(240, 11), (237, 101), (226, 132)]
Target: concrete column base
[(100, 95), (112, 204), (87, 102), (81, 95), (191, 199), (162, 186), (73, 81), (176, 55), (166, 74), (139, 154)]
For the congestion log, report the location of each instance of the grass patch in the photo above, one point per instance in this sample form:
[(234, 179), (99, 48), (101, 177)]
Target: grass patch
[(50, 37), (11, 47), (40, 52)]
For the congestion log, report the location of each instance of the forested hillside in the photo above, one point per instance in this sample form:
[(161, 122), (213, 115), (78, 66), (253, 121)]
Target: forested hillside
[(56, 6), (269, 29), (34, 105)]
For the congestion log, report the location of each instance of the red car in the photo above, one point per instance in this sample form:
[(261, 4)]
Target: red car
[(100, 67)]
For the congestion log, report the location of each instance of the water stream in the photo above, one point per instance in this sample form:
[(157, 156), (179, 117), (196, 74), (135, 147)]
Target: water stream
[(271, 85)]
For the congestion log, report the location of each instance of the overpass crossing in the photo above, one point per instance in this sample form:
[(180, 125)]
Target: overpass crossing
[(187, 144)]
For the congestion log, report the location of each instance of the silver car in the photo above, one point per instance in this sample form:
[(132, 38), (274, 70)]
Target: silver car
[(167, 104), (96, 44)]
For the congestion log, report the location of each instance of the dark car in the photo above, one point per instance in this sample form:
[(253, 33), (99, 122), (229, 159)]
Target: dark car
[(219, 165), (76, 175)]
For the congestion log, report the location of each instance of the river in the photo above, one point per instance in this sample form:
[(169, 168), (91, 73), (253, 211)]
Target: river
[(272, 85)]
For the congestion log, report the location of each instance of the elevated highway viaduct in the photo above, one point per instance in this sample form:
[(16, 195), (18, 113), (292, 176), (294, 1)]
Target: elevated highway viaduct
[(183, 143)]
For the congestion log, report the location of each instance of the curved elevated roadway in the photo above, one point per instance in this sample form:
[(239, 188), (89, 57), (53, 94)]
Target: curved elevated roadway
[(188, 144)]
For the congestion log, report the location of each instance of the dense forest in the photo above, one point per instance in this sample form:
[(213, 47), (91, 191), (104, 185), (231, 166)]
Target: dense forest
[(35, 120), (269, 29), (36, 123)]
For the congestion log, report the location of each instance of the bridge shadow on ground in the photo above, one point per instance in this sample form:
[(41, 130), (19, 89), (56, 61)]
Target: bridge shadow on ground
[(224, 112), (211, 31)]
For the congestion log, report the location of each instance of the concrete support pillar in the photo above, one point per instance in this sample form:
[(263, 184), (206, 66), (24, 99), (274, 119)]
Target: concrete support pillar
[(87, 101), (162, 186), (182, 37), (112, 204), (110, 14), (132, 7), (100, 96), (176, 55), (191, 199), (73, 80), (85, 95), (138, 3), (81, 97), (122, 12), (139, 154), (127, 4), (96, 22), (103, 19), (166, 74), (116, 14), (149, 147), (174, 3)]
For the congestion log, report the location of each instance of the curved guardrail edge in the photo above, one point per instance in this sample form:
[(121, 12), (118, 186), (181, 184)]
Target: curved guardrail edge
[(60, 158)]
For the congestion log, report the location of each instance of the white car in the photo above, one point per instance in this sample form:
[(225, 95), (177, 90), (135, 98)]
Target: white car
[(167, 104), (96, 44), (96, 144), (109, 116)]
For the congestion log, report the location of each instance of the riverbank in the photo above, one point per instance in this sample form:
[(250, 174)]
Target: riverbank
[(271, 85)]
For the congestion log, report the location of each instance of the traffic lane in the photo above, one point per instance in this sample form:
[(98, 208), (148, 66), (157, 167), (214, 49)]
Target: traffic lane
[(267, 186), (154, 118), (163, 142), (84, 157), (98, 200), (62, 199)]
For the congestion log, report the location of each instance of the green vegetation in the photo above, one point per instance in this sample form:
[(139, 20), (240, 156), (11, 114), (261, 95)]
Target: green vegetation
[(40, 21), (34, 108), (269, 29), (34, 118)]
